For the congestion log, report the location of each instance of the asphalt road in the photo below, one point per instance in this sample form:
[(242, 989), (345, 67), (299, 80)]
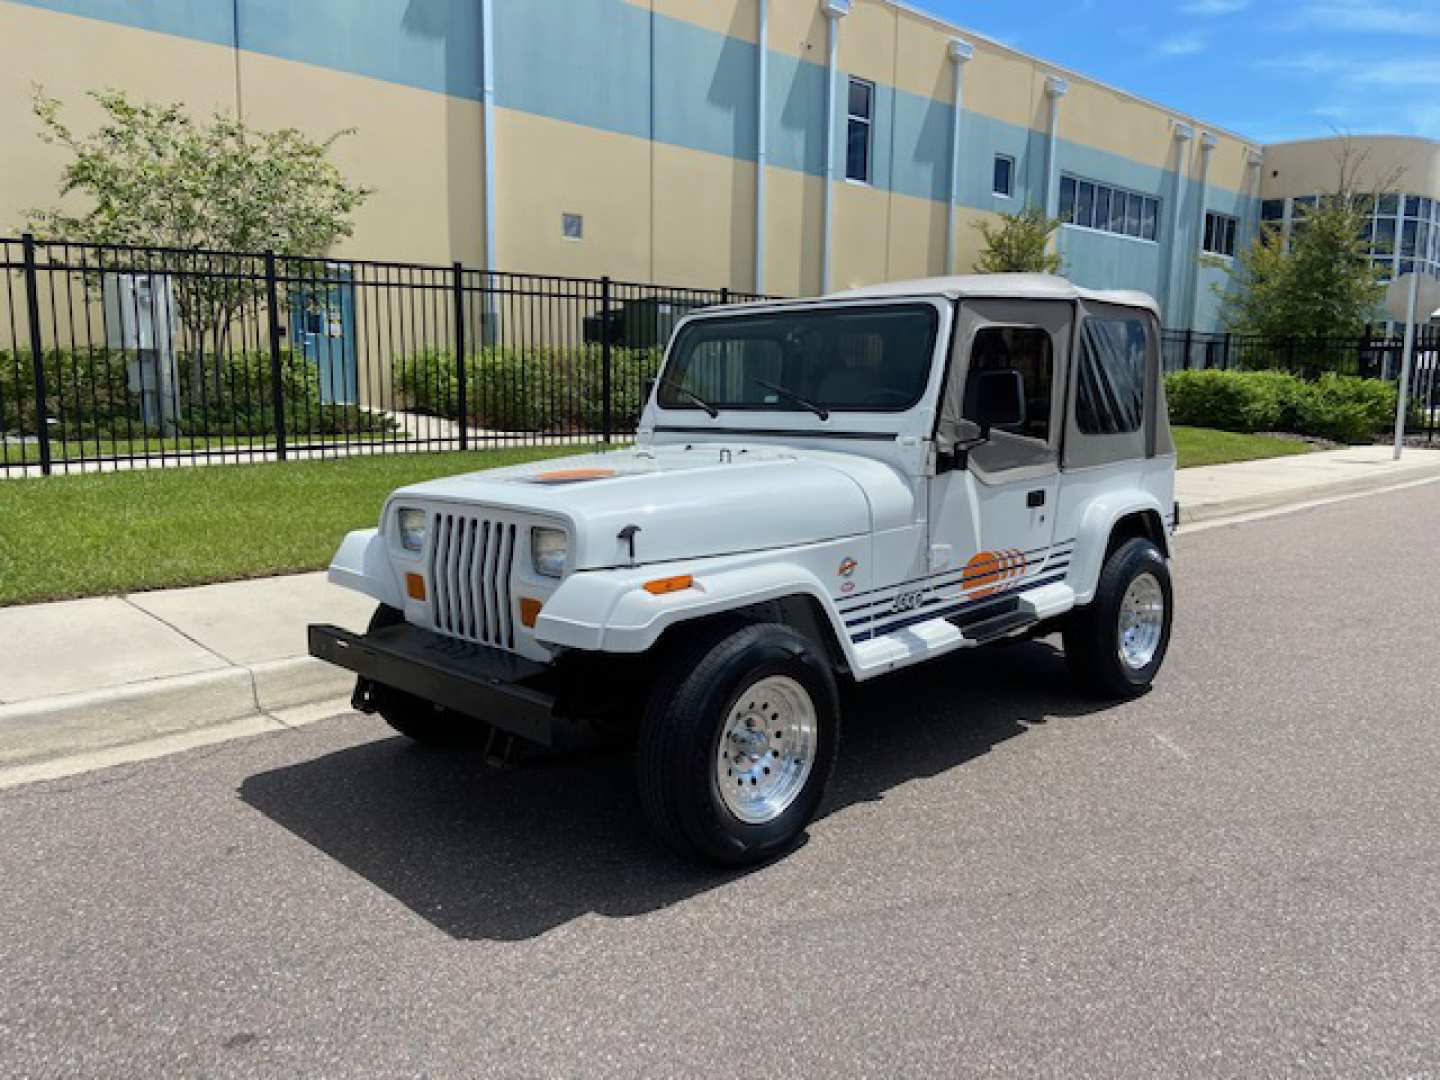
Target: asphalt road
[(1238, 875)]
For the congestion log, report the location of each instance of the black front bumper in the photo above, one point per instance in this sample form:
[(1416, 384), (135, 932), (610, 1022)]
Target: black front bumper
[(474, 680)]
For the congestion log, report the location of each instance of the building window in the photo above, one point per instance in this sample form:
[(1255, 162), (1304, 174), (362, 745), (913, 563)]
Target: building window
[(1087, 204), (1272, 211), (572, 226), (1220, 233), (1004, 183), (861, 117)]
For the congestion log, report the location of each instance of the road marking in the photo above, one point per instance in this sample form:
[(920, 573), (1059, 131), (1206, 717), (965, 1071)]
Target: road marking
[(1169, 744)]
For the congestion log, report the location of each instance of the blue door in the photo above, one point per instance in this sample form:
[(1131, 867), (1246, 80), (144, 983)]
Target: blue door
[(323, 315)]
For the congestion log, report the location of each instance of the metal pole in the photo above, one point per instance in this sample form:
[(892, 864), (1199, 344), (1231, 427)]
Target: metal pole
[(1403, 398), (277, 382), (606, 416), (37, 355), (460, 403)]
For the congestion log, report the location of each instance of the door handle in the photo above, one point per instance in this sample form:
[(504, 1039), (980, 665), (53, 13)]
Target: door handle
[(1035, 499)]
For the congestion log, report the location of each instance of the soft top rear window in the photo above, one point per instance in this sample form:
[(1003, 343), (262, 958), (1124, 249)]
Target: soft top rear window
[(857, 359)]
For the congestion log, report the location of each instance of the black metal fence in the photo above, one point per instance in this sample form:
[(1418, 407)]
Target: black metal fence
[(1372, 356), (120, 357), (124, 357)]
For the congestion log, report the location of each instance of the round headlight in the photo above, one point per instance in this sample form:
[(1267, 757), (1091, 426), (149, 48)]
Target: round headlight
[(412, 529), (549, 549)]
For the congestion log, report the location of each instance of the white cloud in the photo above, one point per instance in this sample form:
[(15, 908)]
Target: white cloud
[(1420, 19), (1182, 45), (1400, 73), (1214, 7)]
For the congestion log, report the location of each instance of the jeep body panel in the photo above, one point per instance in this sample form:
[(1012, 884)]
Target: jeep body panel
[(907, 558)]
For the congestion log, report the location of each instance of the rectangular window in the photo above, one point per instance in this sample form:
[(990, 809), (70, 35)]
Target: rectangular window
[(1067, 198), (1220, 233), (1272, 210), (1029, 351), (857, 359), (1084, 204), (1110, 392), (860, 119), (1004, 183), (1092, 205), (1389, 204)]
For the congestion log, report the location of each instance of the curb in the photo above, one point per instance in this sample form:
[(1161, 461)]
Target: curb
[(1300, 498), (39, 732), (43, 729)]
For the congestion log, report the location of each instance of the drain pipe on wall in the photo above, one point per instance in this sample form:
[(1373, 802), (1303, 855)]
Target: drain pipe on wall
[(489, 329), (1183, 134), (762, 36), (1192, 295), (834, 11), (960, 54), (1055, 89)]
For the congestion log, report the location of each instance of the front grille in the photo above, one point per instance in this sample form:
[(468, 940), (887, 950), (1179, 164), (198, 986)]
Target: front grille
[(470, 563)]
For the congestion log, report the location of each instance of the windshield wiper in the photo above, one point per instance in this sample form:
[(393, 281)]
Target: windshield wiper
[(696, 399), (819, 410)]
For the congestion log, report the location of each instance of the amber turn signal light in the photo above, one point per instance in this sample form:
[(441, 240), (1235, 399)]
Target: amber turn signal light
[(529, 611), (415, 587), (661, 586)]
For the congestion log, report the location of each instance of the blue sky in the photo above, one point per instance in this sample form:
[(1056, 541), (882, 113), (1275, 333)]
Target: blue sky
[(1266, 69)]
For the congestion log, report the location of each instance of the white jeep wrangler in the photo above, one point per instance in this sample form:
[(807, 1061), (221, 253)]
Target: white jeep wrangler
[(819, 490)]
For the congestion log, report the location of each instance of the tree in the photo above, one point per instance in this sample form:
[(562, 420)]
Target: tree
[(1320, 286), (155, 177), (1019, 244)]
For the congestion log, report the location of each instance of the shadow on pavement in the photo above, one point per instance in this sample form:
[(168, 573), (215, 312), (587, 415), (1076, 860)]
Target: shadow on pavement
[(507, 856)]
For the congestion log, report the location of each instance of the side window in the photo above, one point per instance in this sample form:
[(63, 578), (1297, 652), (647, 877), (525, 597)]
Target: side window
[(1028, 350), (1110, 378)]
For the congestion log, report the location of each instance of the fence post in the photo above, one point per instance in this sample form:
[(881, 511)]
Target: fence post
[(277, 377), (460, 402), (37, 355), (606, 417), (725, 295), (1189, 344), (1228, 337)]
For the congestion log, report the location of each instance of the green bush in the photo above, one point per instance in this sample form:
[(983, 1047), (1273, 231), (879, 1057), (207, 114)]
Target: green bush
[(88, 397), (1342, 408), (538, 388)]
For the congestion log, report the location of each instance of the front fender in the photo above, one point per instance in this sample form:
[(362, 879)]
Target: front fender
[(1093, 536), (610, 611), (363, 564)]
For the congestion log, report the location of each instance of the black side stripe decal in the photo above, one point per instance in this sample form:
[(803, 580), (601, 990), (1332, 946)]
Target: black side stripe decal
[(929, 616), (943, 578), (1019, 586)]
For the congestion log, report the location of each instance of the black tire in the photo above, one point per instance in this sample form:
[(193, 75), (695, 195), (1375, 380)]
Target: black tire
[(416, 718), (685, 720), (1092, 634)]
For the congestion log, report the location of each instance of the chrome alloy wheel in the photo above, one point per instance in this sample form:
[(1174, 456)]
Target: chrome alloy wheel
[(1142, 622), (766, 750)]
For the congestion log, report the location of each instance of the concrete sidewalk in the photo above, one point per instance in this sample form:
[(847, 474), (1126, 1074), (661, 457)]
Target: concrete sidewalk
[(83, 675)]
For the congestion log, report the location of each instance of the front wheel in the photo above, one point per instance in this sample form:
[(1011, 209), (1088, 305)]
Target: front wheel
[(1116, 643), (738, 743)]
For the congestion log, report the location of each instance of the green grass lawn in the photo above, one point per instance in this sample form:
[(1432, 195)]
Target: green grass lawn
[(69, 536), (88, 535), (1205, 446)]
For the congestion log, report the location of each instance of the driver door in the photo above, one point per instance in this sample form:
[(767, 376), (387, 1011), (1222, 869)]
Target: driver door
[(993, 521)]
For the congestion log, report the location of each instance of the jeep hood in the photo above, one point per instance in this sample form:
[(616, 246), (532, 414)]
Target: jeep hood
[(687, 502)]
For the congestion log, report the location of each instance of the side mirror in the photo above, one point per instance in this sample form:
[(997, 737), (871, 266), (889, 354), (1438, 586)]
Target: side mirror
[(998, 399)]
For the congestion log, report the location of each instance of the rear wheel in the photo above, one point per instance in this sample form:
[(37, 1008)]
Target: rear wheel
[(414, 717), (738, 743), (1116, 643)]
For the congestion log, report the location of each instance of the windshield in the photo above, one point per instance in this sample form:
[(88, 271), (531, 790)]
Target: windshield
[(874, 359)]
